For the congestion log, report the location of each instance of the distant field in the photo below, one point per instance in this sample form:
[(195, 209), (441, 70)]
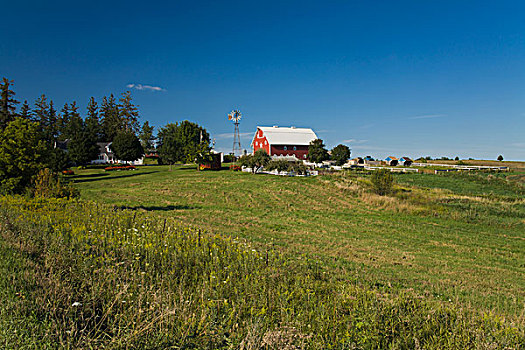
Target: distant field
[(513, 165), (458, 239)]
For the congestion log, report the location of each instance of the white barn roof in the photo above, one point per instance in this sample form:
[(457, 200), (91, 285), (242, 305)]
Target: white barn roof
[(288, 135)]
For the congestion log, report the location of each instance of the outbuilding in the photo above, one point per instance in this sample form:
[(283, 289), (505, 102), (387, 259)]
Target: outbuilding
[(405, 161), (392, 161), (283, 141)]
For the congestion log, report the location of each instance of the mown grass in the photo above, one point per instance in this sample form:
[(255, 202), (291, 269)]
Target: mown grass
[(77, 274), (454, 245)]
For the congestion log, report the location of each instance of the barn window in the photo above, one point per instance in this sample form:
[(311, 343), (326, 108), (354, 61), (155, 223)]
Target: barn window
[(285, 148), (294, 148)]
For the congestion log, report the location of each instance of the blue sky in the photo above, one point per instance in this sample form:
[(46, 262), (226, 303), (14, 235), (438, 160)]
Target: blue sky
[(438, 78)]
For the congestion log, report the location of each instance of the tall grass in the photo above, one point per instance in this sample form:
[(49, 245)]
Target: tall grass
[(75, 274)]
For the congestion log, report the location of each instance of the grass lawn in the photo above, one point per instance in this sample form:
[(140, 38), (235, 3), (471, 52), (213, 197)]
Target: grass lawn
[(455, 239)]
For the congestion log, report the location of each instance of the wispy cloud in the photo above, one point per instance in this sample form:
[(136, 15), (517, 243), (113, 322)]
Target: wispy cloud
[(427, 116), (230, 135), (367, 126), (355, 142), (145, 87)]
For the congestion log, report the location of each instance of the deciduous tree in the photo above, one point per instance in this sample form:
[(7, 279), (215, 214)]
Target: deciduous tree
[(22, 151), (181, 142), (340, 154), (127, 147), (169, 148), (256, 161), (317, 151)]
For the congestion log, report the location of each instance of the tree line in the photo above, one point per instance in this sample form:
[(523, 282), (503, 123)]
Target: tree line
[(38, 136)]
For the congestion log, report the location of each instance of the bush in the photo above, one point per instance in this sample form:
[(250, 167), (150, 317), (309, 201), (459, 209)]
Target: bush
[(120, 167), (382, 182), (279, 165), (48, 185)]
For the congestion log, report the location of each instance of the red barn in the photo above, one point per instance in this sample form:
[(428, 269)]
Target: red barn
[(283, 141)]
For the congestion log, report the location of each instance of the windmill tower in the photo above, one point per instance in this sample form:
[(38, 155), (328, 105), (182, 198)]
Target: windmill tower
[(235, 117)]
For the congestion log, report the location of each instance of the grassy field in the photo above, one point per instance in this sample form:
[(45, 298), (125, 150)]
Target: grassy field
[(455, 238), (80, 275)]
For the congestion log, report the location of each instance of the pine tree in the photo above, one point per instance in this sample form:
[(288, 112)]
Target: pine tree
[(25, 111), (7, 103), (111, 123), (146, 137), (128, 113), (52, 129), (63, 122), (76, 124), (41, 112), (82, 148), (92, 121)]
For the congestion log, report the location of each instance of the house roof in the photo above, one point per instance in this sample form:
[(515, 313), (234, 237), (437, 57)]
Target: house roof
[(404, 159), (391, 158), (277, 135)]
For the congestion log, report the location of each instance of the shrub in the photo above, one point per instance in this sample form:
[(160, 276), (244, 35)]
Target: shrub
[(120, 167), (48, 185), (279, 165), (382, 182)]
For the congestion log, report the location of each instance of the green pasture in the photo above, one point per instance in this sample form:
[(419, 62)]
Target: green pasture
[(457, 239)]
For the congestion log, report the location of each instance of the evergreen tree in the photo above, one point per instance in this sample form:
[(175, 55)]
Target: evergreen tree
[(128, 113), (146, 137), (92, 121), (82, 147), (57, 160), (41, 112), (7, 103), (25, 111), (76, 124), (51, 133), (82, 150), (63, 122), (111, 123)]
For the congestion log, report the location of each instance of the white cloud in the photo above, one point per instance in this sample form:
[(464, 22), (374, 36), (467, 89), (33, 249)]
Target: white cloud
[(427, 116), (145, 87), (355, 142)]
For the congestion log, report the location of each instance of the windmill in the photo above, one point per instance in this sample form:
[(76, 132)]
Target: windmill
[(235, 117)]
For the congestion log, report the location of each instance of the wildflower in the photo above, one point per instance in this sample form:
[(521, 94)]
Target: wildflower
[(76, 303)]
